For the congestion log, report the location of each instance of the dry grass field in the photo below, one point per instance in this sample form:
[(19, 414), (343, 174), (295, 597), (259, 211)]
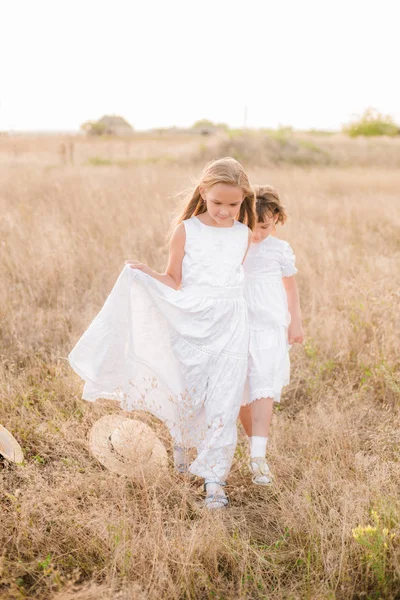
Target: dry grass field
[(330, 527)]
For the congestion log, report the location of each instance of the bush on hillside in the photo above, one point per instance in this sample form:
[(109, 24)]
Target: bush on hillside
[(93, 128), (206, 124), (372, 123)]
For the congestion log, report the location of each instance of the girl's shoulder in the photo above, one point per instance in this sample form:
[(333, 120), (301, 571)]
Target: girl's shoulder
[(287, 257), (278, 242), (190, 221), (192, 225), (241, 225), (280, 245), (244, 231)]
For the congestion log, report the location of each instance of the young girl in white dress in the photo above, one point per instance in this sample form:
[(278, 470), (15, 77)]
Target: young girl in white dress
[(275, 323), (176, 344)]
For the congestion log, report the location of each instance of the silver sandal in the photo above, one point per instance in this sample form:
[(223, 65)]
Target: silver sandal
[(261, 472), (215, 501)]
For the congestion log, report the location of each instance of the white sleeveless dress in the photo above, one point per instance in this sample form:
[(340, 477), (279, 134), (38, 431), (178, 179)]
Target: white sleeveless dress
[(178, 354), (269, 364)]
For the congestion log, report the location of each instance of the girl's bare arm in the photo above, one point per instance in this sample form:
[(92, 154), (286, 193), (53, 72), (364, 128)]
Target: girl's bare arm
[(295, 331), (173, 273)]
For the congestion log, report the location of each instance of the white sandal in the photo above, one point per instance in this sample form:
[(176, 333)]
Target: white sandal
[(261, 472), (214, 500)]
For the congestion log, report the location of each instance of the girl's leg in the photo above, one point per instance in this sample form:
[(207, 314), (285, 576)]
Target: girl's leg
[(256, 417), (261, 416), (245, 418)]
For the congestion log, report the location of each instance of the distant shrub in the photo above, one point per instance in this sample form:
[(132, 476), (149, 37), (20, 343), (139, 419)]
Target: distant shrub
[(202, 123), (93, 128), (206, 124), (372, 123)]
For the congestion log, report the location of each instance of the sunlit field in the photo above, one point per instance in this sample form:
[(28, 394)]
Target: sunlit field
[(71, 211)]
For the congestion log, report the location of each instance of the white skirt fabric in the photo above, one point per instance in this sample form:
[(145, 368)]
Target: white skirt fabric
[(269, 364), (269, 318), (180, 355)]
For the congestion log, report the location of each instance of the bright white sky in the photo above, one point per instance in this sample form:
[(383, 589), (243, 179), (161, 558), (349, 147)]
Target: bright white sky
[(306, 63)]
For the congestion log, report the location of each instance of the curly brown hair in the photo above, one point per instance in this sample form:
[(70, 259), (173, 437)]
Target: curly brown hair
[(268, 204)]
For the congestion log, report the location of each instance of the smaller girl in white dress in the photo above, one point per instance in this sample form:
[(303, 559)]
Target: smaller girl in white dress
[(275, 323)]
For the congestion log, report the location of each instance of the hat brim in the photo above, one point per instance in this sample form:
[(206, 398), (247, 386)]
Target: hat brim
[(128, 447), (9, 447)]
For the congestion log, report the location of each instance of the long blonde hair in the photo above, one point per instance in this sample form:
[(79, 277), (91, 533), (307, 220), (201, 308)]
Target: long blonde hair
[(224, 170)]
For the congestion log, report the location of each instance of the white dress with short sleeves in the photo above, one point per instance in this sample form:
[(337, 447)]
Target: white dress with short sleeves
[(179, 354), (269, 364)]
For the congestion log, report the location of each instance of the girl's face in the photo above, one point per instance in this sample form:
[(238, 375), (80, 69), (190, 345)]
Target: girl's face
[(263, 229), (223, 202)]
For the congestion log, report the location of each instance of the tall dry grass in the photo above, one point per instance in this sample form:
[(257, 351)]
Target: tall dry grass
[(70, 529)]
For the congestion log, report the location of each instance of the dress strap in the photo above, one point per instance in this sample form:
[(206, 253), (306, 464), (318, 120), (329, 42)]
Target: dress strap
[(191, 224)]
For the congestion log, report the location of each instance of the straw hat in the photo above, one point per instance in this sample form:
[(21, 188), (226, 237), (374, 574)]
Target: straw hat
[(128, 447), (9, 447)]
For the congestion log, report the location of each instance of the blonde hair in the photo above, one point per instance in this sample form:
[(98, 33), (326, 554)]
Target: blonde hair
[(224, 170), (268, 204)]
